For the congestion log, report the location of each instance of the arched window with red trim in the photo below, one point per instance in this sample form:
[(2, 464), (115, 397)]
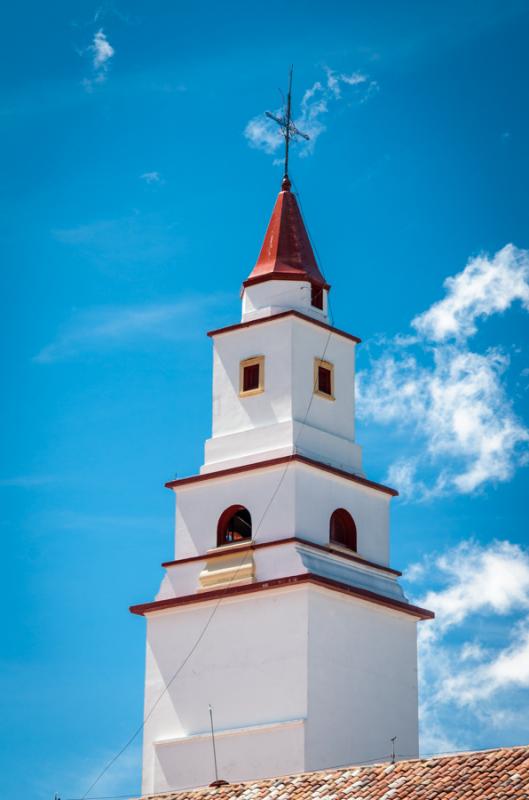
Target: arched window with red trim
[(235, 525), (342, 529)]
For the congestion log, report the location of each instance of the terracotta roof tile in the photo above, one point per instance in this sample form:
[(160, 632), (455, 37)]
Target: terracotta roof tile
[(484, 775)]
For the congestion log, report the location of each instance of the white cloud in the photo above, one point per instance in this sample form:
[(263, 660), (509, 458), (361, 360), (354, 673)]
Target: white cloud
[(486, 286), (481, 681), (264, 134), (335, 80), (101, 51), (451, 399), (477, 579), (471, 668), (402, 474), (457, 405), (151, 177), (107, 328)]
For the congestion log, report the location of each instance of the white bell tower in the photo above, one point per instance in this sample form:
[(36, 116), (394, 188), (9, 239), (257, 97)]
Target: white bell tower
[(280, 608)]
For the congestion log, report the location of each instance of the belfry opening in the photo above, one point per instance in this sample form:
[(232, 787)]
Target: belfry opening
[(235, 525)]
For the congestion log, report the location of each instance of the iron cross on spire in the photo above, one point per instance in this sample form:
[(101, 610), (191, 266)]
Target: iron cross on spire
[(287, 127)]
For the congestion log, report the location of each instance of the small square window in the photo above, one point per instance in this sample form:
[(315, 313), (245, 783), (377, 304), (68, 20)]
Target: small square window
[(251, 376), (316, 295), (324, 378)]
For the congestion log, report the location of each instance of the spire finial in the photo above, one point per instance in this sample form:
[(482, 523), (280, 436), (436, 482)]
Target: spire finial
[(288, 129)]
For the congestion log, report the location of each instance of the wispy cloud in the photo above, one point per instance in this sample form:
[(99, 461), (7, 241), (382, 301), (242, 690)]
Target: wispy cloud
[(316, 102), (121, 779), (109, 327), (134, 240), (27, 481), (469, 672), (109, 8), (451, 399), (151, 177), (101, 52)]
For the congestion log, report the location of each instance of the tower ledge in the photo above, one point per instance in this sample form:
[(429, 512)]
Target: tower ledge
[(282, 315), (305, 578), (273, 462)]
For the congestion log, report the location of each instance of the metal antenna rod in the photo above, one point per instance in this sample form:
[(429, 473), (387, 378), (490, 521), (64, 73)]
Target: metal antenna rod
[(213, 743), (393, 740), (288, 131)]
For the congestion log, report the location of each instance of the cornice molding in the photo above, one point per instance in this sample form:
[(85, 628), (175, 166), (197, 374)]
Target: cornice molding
[(310, 578)]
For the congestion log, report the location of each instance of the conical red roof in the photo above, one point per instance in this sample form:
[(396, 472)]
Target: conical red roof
[(286, 253)]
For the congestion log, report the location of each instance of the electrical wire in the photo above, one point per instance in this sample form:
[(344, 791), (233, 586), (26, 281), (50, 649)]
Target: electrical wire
[(347, 765), (381, 759), (216, 606)]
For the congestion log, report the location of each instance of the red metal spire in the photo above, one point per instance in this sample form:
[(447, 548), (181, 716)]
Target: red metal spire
[(286, 253)]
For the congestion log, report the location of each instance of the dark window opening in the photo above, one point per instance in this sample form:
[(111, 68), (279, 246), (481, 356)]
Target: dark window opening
[(342, 529), (324, 380), (250, 377), (235, 525), (316, 295)]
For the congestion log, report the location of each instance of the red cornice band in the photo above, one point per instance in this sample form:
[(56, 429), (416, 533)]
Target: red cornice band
[(284, 276), (277, 542), (308, 578), (273, 462), (282, 315)]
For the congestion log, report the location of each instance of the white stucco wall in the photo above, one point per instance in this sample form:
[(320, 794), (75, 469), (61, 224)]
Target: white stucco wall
[(272, 297), (182, 762), (273, 562), (232, 413), (368, 507), (288, 415), (334, 416), (199, 506), (300, 678), (362, 676), (251, 667)]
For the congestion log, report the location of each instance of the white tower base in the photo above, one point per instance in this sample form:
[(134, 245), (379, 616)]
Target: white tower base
[(301, 677)]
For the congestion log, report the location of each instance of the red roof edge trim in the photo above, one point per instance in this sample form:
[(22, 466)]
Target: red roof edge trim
[(282, 315), (273, 462), (285, 276), (279, 542), (308, 578)]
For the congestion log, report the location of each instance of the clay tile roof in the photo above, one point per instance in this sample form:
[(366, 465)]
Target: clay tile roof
[(502, 773), (286, 253)]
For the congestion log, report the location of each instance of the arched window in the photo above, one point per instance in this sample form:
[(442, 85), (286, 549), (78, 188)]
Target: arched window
[(235, 525), (342, 529)]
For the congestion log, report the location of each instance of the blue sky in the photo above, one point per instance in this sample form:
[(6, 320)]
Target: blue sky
[(137, 188)]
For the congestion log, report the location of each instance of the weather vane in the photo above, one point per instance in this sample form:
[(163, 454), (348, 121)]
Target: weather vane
[(287, 127)]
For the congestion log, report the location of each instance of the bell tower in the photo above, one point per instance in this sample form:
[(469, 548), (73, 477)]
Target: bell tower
[(279, 607)]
